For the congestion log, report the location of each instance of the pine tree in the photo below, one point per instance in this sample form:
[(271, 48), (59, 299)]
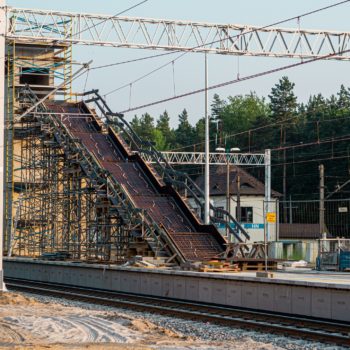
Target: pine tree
[(283, 102), (184, 133), (199, 135), (147, 127), (135, 124), (163, 125), (217, 107), (343, 103), (283, 105)]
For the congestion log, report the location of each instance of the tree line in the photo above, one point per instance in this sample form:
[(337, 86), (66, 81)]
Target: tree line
[(301, 135)]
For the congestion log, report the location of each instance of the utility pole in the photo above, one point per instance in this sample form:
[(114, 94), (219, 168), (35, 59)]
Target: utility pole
[(322, 227), (267, 188), (2, 135), (267, 200), (238, 214), (206, 170), (284, 179), (228, 204)]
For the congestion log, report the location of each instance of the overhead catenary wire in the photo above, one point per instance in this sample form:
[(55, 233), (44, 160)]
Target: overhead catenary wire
[(235, 81), (273, 124), (237, 36), (143, 76)]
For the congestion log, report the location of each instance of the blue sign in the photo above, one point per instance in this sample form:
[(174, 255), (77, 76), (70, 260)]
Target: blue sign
[(248, 226), (254, 226)]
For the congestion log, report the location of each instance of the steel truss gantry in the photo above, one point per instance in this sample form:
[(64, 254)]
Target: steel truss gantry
[(49, 26), (198, 158)]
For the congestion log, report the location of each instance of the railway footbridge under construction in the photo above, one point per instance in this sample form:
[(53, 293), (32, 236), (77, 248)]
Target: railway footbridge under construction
[(86, 192), (78, 180)]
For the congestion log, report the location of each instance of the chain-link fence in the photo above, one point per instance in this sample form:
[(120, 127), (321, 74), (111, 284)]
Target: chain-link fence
[(306, 216)]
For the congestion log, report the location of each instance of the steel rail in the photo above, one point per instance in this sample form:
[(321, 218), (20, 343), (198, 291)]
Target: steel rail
[(326, 331)]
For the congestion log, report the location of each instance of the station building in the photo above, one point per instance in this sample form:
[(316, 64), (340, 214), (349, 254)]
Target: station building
[(247, 198)]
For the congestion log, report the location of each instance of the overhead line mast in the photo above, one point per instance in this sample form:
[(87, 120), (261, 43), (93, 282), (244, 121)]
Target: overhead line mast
[(2, 134)]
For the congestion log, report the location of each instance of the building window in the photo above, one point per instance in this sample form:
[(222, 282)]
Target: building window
[(219, 213), (247, 214)]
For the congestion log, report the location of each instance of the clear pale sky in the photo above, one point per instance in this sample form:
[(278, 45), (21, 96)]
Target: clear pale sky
[(323, 77)]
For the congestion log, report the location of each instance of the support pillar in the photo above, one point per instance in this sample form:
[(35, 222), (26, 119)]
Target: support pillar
[(267, 200), (267, 190), (206, 171), (2, 135)]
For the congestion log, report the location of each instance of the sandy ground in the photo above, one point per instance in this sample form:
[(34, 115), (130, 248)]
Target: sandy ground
[(26, 323)]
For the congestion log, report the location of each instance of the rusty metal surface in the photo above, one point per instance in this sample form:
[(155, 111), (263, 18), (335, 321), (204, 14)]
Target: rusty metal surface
[(161, 207)]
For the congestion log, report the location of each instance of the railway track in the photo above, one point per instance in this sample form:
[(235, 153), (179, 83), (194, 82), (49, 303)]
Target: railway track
[(325, 331)]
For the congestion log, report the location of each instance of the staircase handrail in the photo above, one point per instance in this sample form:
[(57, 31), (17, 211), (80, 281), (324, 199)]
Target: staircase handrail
[(167, 169)]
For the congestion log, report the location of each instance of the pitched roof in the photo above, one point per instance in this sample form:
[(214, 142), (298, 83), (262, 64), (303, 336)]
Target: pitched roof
[(250, 185)]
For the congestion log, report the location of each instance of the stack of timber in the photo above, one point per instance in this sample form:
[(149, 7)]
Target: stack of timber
[(218, 266)]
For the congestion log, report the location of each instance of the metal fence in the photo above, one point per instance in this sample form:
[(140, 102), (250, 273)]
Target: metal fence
[(336, 215)]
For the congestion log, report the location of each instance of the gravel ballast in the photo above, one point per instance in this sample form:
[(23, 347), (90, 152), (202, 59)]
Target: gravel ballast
[(195, 335)]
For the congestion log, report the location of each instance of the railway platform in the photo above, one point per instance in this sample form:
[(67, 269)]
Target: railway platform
[(307, 293)]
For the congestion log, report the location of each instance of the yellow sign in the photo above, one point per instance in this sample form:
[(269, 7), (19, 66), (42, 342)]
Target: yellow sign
[(271, 218)]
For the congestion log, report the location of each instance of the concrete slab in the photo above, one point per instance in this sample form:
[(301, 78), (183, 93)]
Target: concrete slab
[(340, 306), (179, 287), (250, 295), (167, 286), (205, 291), (233, 293), (283, 299), (219, 292), (321, 303), (266, 298), (301, 301)]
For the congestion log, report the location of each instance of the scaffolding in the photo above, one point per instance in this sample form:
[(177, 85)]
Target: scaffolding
[(71, 205), (42, 67), (60, 201), (60, 208)]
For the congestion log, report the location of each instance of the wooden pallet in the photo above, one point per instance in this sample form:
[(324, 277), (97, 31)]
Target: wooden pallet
[(216, 266), (257, 266), (223, 269)]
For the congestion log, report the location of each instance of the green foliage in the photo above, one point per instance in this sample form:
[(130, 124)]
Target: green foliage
[(241, 113), (283, 102), (184, 134), (168, 134), (159, 140), (199, 135), (217, 107), (254, 124)]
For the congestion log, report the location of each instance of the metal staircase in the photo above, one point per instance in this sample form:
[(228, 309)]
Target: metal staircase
[(167, 174), (131, 201)]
